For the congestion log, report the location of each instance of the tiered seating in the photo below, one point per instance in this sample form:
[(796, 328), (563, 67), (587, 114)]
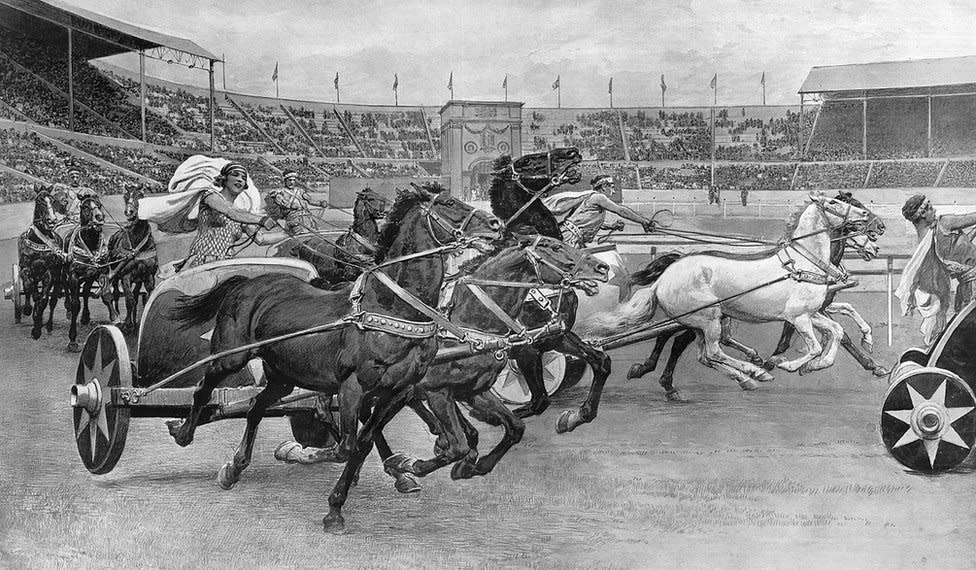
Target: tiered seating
[(276, 124), (838, 134), (29, 153), (831, 176), (954, 126), (595, 132), (753, 176), (386, 132), (14, 189), (904, 174), (674, 135), (897, 128), (688, 175), (145, 163), (960, 173)]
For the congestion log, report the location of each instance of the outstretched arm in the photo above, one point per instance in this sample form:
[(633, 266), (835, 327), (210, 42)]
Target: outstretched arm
[(619, 209), (958, 221), (218, 203)]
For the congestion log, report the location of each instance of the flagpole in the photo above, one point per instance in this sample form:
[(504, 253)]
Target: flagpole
[(764, 88), (223, 69), (714, 103), (559, 95), (611, 92)]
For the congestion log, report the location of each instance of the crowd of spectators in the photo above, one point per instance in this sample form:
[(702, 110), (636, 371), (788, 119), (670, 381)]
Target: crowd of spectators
[(90, 87), (148, 164), (959, 173), (14, 188), (904, 174), (30, 154), (753, 176), (825, 176)]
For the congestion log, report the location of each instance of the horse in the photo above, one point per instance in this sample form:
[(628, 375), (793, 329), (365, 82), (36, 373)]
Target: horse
[(335, 265), (515, 191), (375, 328), (132, 254), (839, 239), (788, 283), (533, 260), (538, 261), (88, 261), (40, 254)]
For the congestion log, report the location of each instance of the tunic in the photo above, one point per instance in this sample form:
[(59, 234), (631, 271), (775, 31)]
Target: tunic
[(216, 233), (293, 205)]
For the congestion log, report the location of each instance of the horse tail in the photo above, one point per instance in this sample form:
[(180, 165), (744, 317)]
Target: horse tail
[(638, 310), (193, 310), (654, 269)]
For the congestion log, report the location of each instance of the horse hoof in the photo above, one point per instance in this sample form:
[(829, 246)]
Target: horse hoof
[(334, 524), (463, 470), (764, 377), (26, 310), (880, 371), (406, 484), (565, 423), (398, 463), (748, 385), (288, 452), (72, 346), (635, 371), (175, 429), (35, 334), (225, 479), (673, 396)]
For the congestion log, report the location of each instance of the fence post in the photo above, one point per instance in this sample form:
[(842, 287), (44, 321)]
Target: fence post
[(692, 209), (725, 208), (759, 209), (890, 272)]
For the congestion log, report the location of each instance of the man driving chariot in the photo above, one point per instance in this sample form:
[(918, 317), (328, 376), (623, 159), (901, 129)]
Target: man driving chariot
[(292, 203), (582, 214)]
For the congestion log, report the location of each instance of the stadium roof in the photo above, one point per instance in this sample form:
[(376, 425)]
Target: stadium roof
[(911, 74), (98, 35)]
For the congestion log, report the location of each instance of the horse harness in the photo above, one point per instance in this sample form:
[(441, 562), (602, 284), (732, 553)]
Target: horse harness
[(554, 181)]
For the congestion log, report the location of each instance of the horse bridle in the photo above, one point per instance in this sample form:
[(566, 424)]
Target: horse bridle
[(554, 181), (458, 233)]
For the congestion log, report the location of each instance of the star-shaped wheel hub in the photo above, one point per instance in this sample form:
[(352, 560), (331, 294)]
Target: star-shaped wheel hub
[(930, 421), (92, 397)]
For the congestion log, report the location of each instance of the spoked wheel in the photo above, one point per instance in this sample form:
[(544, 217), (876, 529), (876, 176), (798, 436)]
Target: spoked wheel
[(17, 293), (101, 427), (512, 388), (928, 421)]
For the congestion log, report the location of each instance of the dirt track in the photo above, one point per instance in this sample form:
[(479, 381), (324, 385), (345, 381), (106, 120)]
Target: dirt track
[(793, 474)]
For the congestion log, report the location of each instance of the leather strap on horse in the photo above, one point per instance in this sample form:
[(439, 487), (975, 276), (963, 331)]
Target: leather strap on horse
[(492, 306), (418, 305), (55, 248)]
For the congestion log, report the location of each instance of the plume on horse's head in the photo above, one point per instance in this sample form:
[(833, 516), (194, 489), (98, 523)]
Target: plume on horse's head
[(405, 201)]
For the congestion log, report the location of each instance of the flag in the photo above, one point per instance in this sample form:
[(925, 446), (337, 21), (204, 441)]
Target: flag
[(336, 82), (762, 80), (450, 81), (274, 76), (664, 86), (610, 87), (505, 82), (555, 84), (714, 81), (396, 81)]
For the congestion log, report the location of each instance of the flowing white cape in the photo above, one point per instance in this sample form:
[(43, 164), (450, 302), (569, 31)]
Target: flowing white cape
[(562, 205), (177, 211)]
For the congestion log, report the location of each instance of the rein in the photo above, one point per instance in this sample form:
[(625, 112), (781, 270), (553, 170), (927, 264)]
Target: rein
[(554, 181)]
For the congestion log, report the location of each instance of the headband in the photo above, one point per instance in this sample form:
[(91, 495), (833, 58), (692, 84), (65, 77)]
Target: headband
[(913, 207)]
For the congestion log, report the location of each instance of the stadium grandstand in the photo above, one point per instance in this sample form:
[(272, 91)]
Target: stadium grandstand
[(899, 124)]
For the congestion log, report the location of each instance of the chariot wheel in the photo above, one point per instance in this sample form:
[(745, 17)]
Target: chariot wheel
[(928, 419), (511, 387), (17, 293), (100, 426)]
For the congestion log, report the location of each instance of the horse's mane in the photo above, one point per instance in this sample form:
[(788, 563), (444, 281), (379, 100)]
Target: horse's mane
[(404, 202), (505, 202)]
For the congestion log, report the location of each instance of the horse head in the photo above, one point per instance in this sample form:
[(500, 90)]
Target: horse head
[(92, 216), (46, 215), (863, 239), (370, 204), (444, 219), (131, 198), (558, 263), (542, 170)]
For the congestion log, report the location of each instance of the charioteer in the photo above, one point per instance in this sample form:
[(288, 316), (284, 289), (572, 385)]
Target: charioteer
[(582, 214), (945, 250), (292, 204)]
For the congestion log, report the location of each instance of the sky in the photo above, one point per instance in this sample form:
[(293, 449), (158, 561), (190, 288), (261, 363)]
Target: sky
[(583, 42)]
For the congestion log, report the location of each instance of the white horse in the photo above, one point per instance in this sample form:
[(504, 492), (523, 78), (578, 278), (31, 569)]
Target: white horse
[(788, 283)]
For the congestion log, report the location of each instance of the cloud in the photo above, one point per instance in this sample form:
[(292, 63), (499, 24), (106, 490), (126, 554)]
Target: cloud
[(583, 41)]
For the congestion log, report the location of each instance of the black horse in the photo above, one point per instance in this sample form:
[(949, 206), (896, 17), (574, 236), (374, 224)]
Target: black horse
[(515, 193), (88, 262), (356, 247), (387, 358), (40, 254), (132, 254), (838, 245), (533, 260)]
